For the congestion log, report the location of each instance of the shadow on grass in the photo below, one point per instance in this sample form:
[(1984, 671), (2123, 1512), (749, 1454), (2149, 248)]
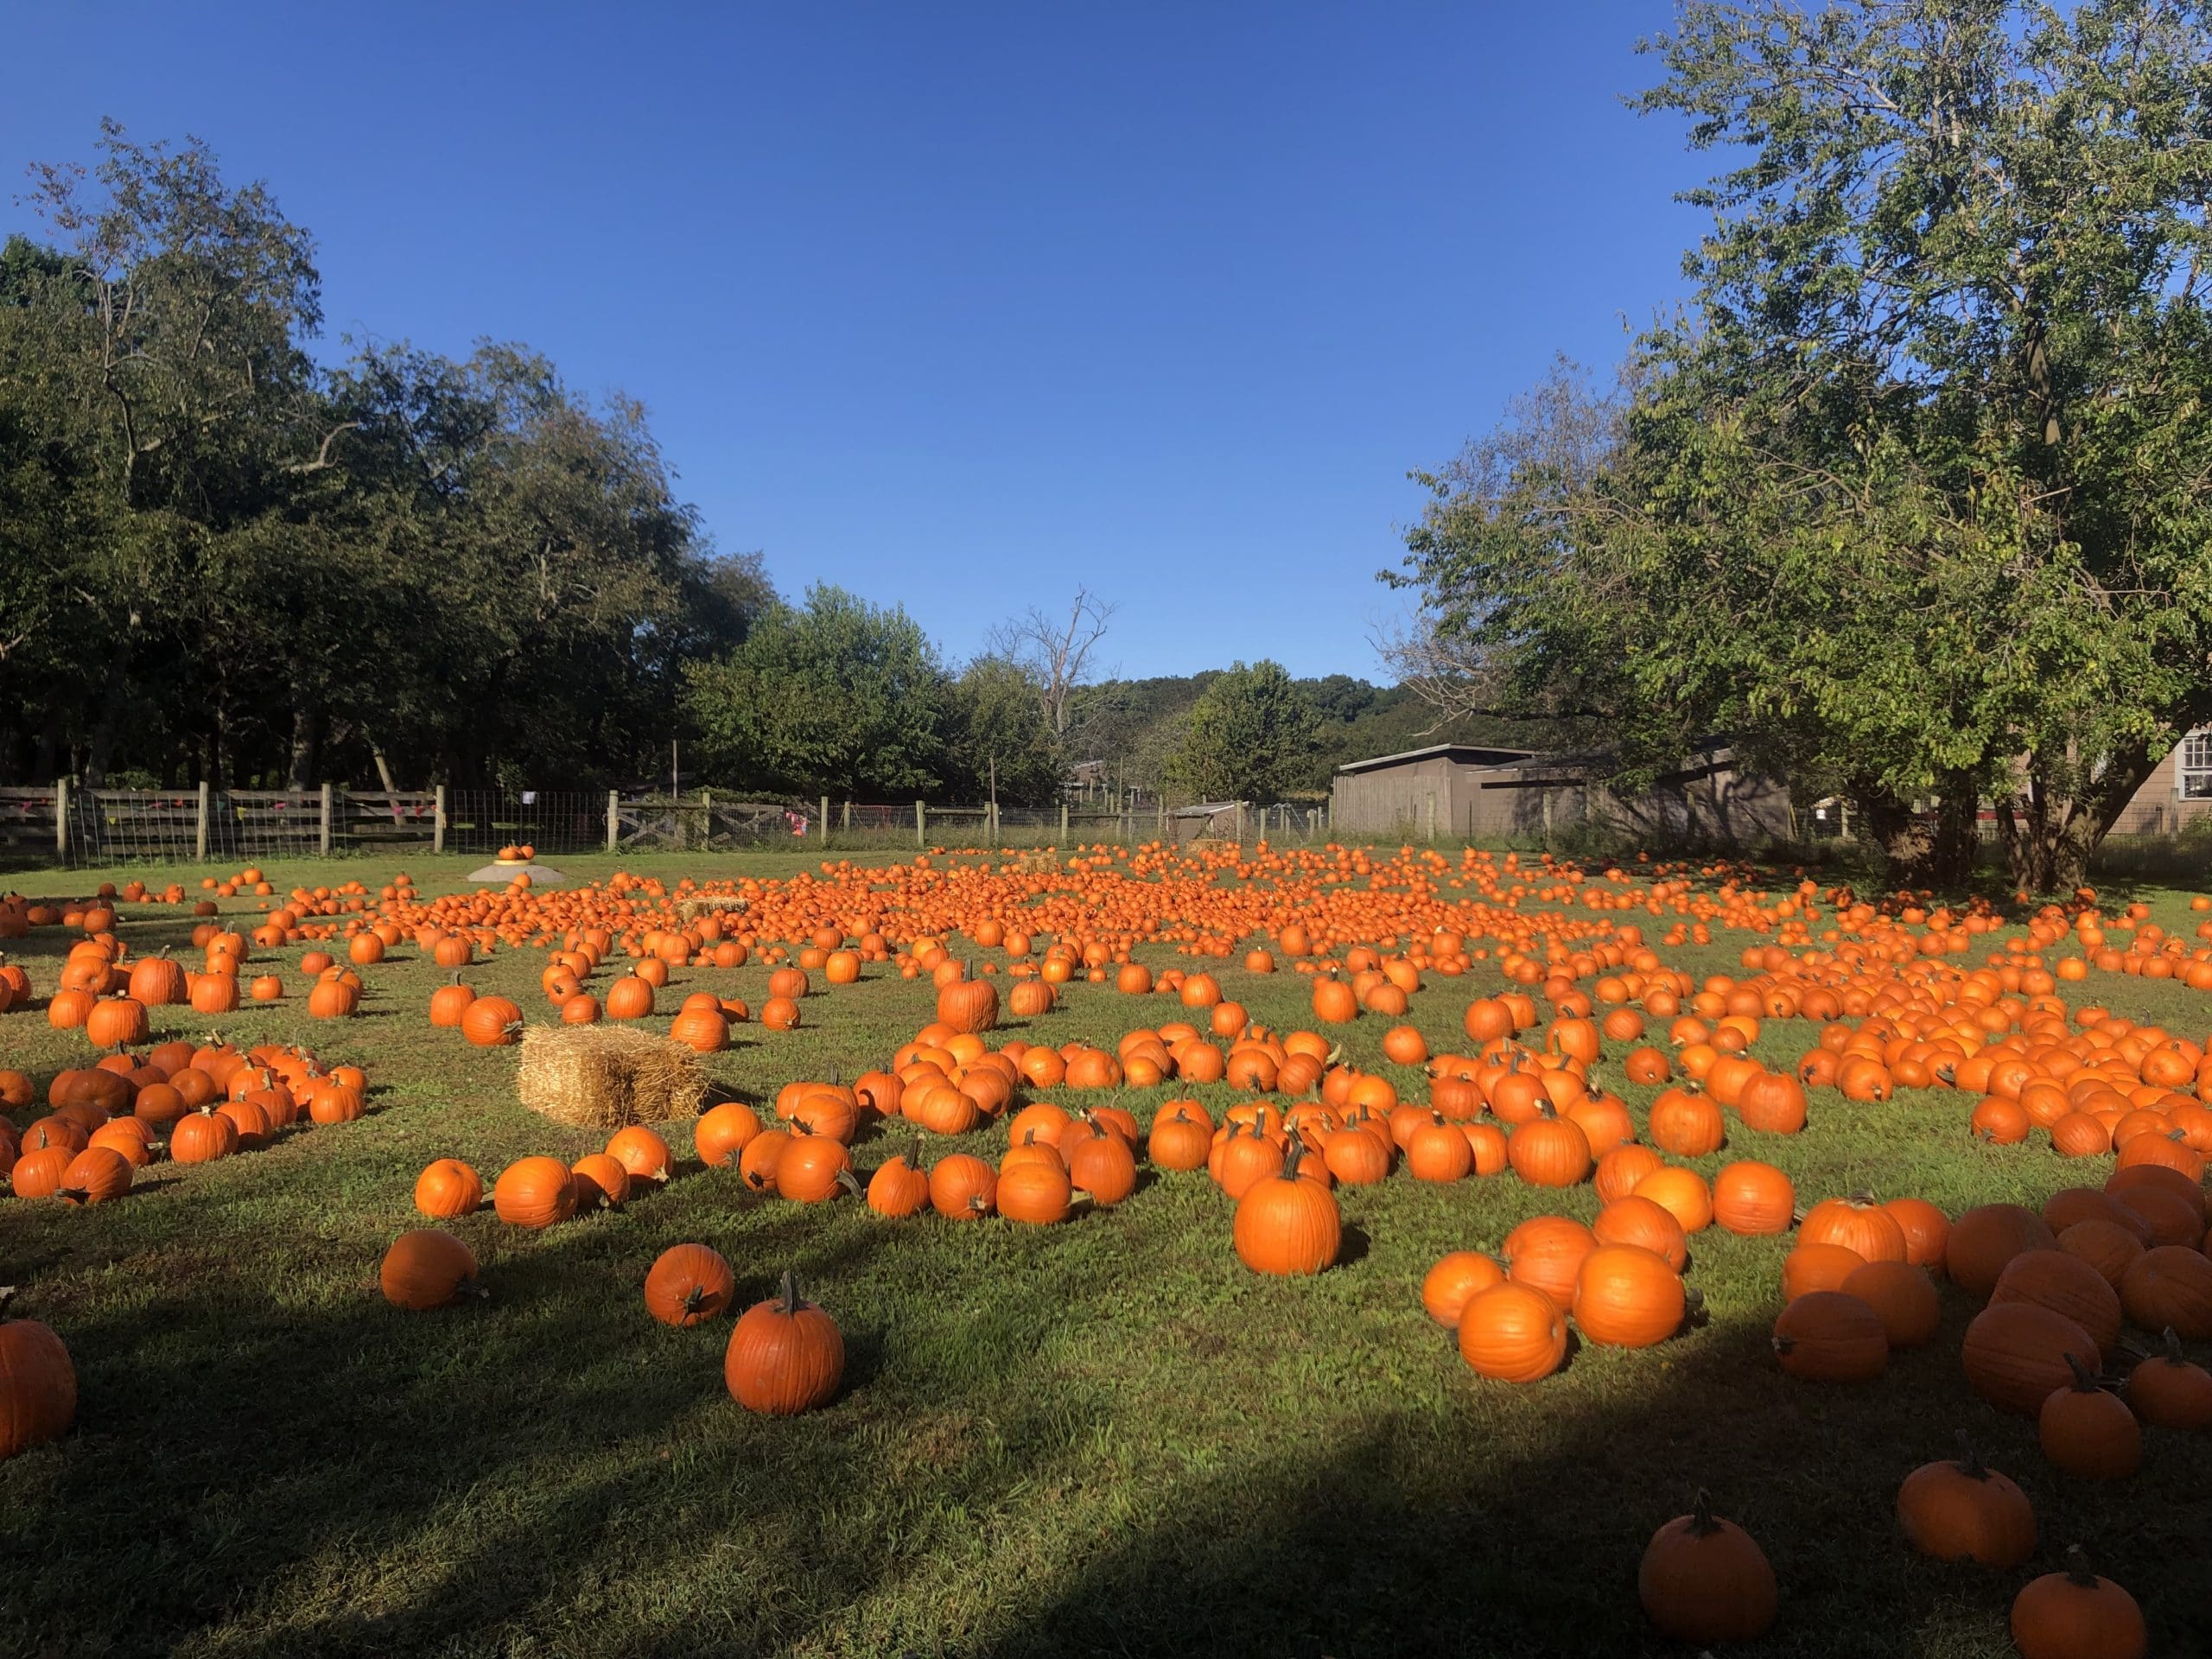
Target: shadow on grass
[(512, 1478)]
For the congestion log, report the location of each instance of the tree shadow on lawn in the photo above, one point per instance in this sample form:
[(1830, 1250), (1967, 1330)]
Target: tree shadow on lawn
[(247, 1480), (226, 1447), (1414, 1535)]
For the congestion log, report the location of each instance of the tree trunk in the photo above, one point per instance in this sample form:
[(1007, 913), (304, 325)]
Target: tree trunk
[(2051, 831), (1956, 847), (219, 755), (307, 741), (117, 672), (1903, 840), (43, 754), (383, 767)]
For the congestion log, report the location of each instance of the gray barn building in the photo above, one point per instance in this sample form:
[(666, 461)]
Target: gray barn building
[(1462, 792)]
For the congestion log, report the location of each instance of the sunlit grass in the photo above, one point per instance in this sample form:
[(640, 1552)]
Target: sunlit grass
[(1102, 1437)]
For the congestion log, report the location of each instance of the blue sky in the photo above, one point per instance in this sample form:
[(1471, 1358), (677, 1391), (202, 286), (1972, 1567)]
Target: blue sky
[(962, 305)]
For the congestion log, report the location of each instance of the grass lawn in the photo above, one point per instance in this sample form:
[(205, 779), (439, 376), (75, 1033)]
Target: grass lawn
[(1105, 1437)]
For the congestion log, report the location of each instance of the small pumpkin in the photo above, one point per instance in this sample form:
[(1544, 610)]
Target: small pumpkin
[(2015, 1355), (1286, 1225), (722, 1132), (38, 1384), (1960, 1510), (1830, 1337), (688, 1284), (900, 1187), (1904, 1298), (962, 1187), (1627, 1296), (1705, 1581), (449, 1189), (785, 1354), (601, 1183), (1456, 1280), (2088, 1432), (2168, 1390), (1512, 1333), (644, 1154), (534, 1192), (2075, 1614), (425, 1268)]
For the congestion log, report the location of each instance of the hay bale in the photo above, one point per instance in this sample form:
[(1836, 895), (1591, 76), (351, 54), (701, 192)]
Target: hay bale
[(691, 910), (608, 1077)]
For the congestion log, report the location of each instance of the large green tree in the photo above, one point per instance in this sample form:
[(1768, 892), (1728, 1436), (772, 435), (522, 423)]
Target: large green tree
[(406, 566), (1919, 496), (1249, 737), (998, 745), (836, 695)]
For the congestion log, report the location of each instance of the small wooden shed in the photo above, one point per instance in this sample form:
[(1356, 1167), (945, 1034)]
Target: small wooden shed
[(1419, 792), (1207, 821)]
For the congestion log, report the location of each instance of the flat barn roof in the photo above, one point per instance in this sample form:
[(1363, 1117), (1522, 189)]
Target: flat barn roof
[(1473, 754)]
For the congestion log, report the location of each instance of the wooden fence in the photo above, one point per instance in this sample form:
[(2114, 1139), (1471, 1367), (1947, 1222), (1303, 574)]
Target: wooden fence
[(89, 826)]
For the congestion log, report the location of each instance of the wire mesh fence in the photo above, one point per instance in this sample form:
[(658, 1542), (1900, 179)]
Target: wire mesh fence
[(548, 821)]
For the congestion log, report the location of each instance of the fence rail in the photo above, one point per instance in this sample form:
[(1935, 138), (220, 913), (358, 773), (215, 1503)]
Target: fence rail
[(88, 827)]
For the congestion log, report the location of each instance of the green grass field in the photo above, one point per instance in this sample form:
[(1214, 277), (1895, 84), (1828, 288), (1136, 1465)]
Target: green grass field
[(1107, 1437)]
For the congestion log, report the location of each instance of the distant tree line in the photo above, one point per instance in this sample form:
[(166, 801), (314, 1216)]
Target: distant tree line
[(221, 560), (224, 559)]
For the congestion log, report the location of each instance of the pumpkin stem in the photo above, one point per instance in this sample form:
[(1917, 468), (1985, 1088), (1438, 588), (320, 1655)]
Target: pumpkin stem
[(1969, 1460), (1701, 1522), (2172, 1348), (2085, 1381), (2077, 1567), (788, 1293), (7, 1295), (847, 1179)]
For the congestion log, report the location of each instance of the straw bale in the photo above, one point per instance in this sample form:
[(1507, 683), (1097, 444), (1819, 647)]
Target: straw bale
[(608, 1077), (691, 910)]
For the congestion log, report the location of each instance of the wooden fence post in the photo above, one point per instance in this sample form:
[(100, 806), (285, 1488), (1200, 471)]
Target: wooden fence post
[(921, 825), (1064, 824), (323, 839), (62, 818), (1429, 815), (613, 818), (822, 824), (199, 825), (845, 816), (438, 819), (1240, 823)]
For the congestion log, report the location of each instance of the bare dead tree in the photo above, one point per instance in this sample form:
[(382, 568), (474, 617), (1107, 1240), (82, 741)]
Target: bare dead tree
[(1462, 677), (1057, 654)]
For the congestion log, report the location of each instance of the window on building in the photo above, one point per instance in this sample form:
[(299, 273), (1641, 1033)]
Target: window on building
[(2193, 767)]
